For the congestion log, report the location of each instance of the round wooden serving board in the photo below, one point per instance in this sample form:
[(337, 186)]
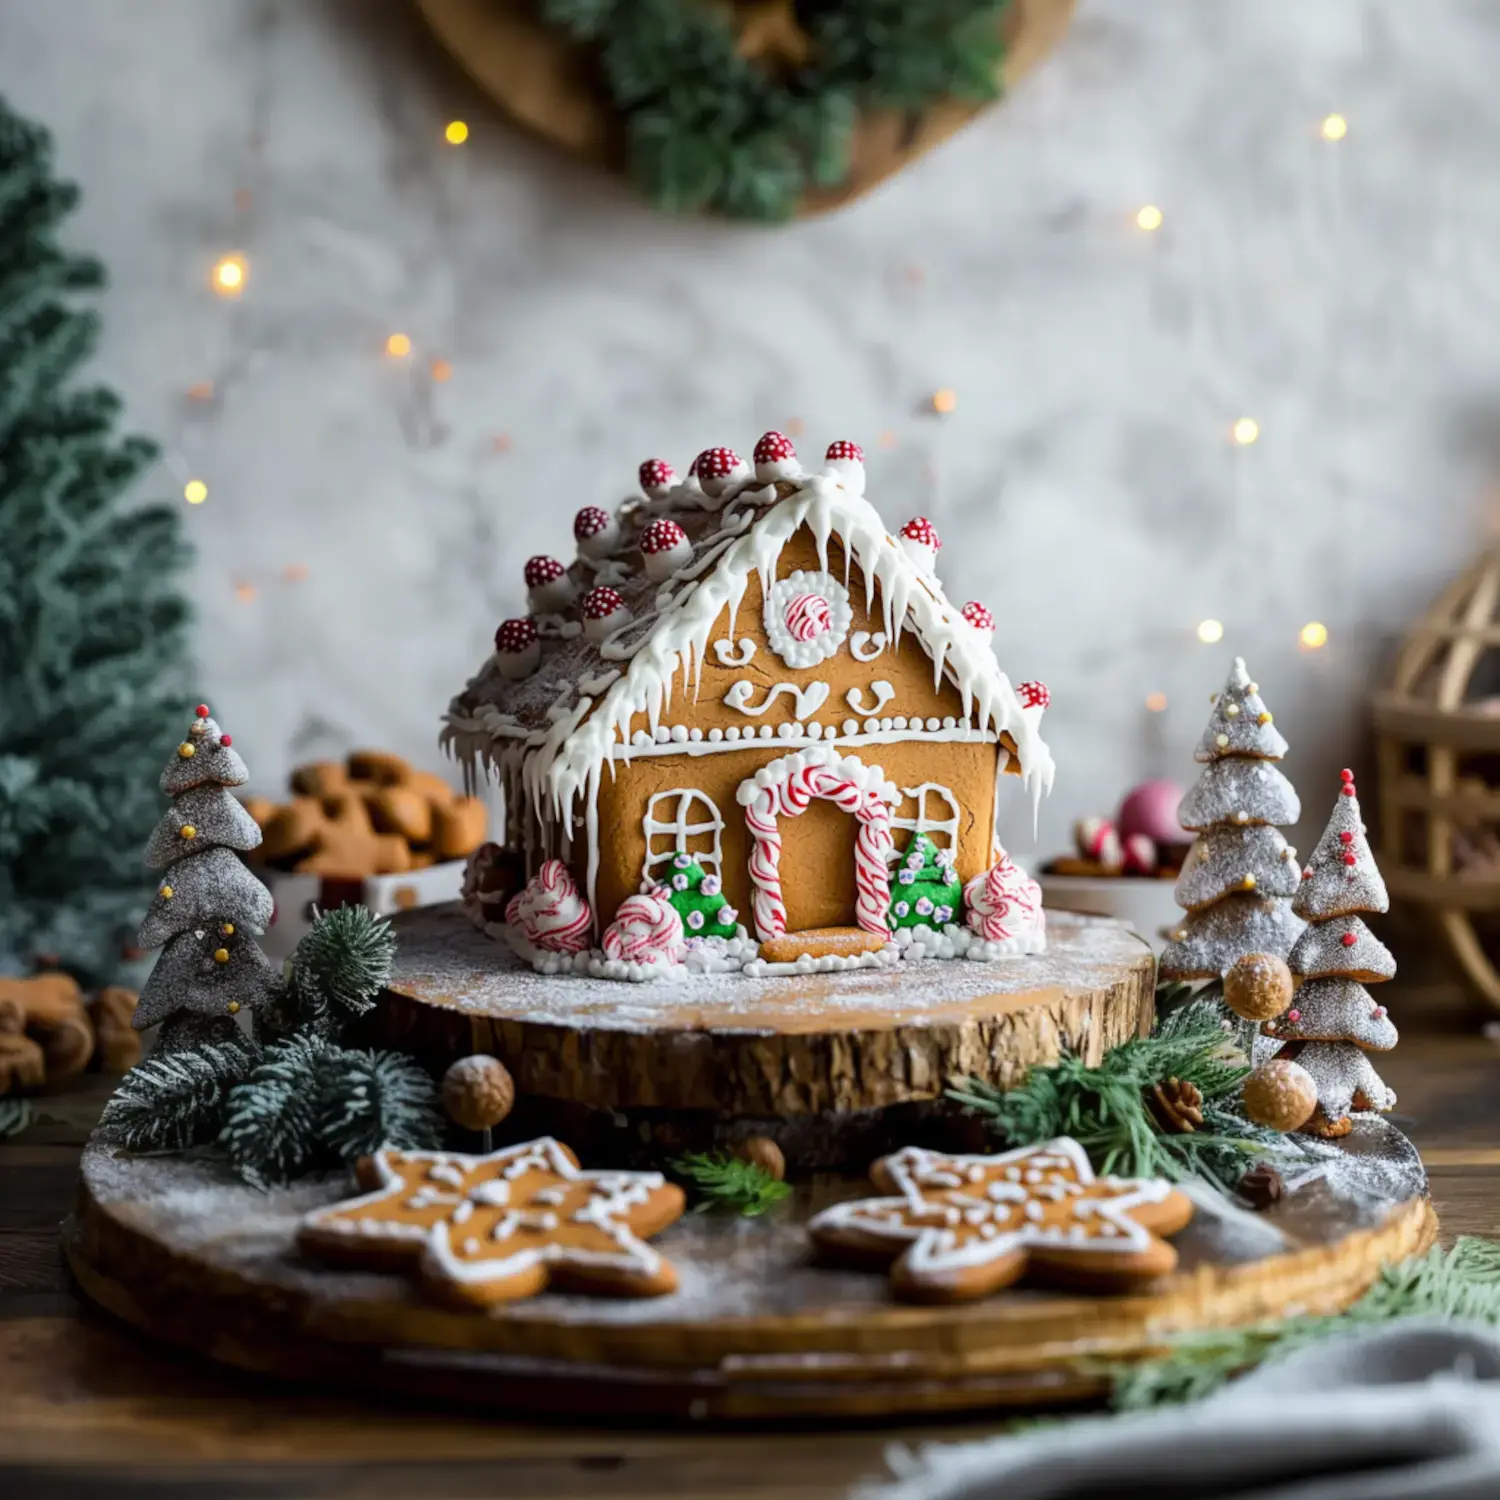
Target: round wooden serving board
[(837, 1066), (757, 1331)]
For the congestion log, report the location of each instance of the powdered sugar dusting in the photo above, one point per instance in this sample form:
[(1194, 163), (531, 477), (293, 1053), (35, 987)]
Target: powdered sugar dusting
[(728, 1268), (443, 959)]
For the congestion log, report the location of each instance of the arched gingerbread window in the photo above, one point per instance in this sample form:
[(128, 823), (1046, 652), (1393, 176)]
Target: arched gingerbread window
[(684, 821), (931, 809)]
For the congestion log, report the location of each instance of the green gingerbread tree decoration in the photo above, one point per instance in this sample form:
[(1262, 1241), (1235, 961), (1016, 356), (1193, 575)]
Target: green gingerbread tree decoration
[(699, 899), (925, 888), (93, 622)]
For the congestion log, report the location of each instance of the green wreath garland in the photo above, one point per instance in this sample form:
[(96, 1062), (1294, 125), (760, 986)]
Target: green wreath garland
[(708, 129)]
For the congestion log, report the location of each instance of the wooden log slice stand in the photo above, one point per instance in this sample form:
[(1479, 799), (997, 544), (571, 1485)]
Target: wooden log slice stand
[(756, 1332), (836, 1067)]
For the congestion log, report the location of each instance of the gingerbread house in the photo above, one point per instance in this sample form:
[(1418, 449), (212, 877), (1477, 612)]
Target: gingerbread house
[(745, 668)]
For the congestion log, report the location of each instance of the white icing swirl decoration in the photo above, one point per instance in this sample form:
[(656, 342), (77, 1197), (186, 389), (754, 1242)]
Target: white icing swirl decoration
[(1004, 902), (646, 930), (550, 912), (807, 617)]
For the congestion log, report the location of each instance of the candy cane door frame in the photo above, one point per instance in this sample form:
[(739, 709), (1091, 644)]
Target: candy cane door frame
[(786, 788)]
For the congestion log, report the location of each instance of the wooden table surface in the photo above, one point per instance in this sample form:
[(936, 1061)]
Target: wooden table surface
[(85, 1402)]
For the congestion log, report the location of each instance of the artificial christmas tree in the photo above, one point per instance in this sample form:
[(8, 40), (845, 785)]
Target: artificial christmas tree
[(93, 639), (207, 904), (1333, 1021), (1237, 882)]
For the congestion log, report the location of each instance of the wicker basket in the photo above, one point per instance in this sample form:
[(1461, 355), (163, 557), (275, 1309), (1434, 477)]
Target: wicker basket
[(1438, 741)]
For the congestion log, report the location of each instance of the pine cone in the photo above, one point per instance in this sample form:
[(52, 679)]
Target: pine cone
[(1262, 1186), (1177, 1106)]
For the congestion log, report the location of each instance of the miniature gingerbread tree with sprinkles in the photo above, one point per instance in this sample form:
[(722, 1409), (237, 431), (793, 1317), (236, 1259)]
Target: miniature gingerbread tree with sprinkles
[(1239, 877), (1333, 1022), (207, 903)]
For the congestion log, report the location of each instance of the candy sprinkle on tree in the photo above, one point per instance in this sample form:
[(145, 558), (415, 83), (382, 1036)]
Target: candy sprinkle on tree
[(207, 904), (699, 899), (1238, 879), (926, 891)]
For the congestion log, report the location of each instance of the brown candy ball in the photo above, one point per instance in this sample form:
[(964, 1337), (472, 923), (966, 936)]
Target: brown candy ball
[(1280, 1095), (763, 1152), (1258, 987), (478, 1092)]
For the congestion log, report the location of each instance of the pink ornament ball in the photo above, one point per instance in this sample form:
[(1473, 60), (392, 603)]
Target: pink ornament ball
[(1151, 809), (1139, 851)]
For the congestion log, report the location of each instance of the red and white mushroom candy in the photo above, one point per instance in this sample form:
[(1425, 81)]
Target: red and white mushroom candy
[(548, 587), (920, 541), (1034, 695), (775, 458), (518, 648), (657, 476), (847, 461), (980, 618), (718, 470), (664, 548), (604, 612), (596, 532)]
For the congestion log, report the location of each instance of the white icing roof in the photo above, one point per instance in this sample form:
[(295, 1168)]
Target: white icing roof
[(570, 714)]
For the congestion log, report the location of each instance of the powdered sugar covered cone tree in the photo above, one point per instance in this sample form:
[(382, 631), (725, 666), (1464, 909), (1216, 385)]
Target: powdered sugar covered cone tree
[(1239, 877), (1334, 1022), (207, 903)]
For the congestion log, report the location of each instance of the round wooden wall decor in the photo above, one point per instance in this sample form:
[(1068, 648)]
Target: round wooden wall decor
[(758, 1329), (1438, 741), (543, 80)]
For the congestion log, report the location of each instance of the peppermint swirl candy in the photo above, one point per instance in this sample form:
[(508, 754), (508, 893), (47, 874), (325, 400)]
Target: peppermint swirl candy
[(550, 912), (808, 615), (1004, 902), (646, 930)]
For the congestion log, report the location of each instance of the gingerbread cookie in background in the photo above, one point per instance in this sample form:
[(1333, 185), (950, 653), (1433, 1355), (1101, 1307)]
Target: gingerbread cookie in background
[(50, 1033), (479, 1230), (374, 814), (961, 1227)]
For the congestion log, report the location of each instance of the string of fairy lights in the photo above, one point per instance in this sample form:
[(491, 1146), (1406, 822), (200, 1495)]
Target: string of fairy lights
[(1243, 431), (230, 277)]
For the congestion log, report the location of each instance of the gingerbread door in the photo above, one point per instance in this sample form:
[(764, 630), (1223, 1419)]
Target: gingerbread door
[(817, 867)]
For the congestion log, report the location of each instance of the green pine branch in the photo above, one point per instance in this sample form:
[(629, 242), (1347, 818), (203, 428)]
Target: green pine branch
[(15, 1116), (1104, 1108), (1460, 1285), (343, 962), (175, 1099), (371, 1099), (726, 1182), (310, 1105), (270, 1121)]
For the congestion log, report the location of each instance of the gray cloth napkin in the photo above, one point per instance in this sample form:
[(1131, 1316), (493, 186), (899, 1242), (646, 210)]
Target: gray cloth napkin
[(1411, 1412)]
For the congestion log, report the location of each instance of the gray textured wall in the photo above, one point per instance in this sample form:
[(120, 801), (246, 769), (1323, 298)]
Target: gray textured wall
[(1346, 296)]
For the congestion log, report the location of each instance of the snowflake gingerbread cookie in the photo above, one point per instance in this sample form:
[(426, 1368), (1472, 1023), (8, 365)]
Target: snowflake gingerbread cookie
[(961, 1227), (488, 1229)]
